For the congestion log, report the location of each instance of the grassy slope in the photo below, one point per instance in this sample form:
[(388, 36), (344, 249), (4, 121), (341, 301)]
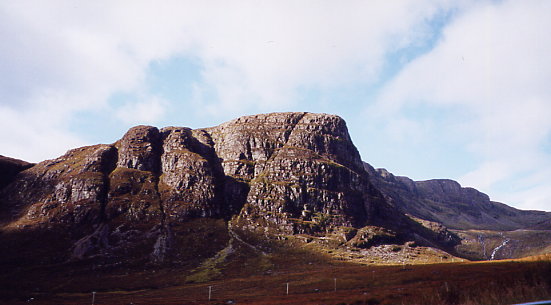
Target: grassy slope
[(255, 276), (473, 283), (521, 243)]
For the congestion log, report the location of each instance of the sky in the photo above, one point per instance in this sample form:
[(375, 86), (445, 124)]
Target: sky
[(429, 89)]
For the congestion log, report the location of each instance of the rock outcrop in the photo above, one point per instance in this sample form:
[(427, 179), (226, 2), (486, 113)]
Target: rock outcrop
[(479, 222), (300, 168), (271, 175), (9, 168), (280, 173), (446, 202)]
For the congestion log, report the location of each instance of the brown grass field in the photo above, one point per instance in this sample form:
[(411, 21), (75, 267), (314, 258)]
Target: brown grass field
[(310, 282), (246, 275)]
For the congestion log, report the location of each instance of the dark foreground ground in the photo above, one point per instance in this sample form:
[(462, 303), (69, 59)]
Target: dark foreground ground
[(452, 283)]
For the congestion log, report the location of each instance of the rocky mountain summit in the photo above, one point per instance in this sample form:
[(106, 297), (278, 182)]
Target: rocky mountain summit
[(157, 195)]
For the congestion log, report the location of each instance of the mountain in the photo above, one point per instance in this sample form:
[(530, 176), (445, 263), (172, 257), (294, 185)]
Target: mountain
[(155, 196), (446, 202), (244, 193), (483, 224)]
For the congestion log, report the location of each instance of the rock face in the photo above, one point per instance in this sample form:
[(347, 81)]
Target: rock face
[(487, 229), (299, 167), (280, 173), (70, 189), (271, 175), (446, 202)]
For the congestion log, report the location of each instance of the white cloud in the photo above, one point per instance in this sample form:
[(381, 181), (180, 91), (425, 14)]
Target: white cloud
[(255, 54), (44, 136), (493, 63), (148, 111), (62, 57)]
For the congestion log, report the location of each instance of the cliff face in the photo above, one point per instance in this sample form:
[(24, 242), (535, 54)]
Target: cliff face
[(281, 173), (297, 167), (487, 229), (158, 195), (445, 201), (288, 165)]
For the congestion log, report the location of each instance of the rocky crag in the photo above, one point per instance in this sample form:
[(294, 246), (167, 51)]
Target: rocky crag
[(488, 229), (157, 195)]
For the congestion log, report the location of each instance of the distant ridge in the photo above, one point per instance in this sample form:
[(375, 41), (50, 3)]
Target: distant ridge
[(446, 202)]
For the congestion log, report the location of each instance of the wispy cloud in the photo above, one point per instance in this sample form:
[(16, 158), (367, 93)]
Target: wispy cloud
[(147, 111), (254, 54), (488, 71), (493, 64)]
